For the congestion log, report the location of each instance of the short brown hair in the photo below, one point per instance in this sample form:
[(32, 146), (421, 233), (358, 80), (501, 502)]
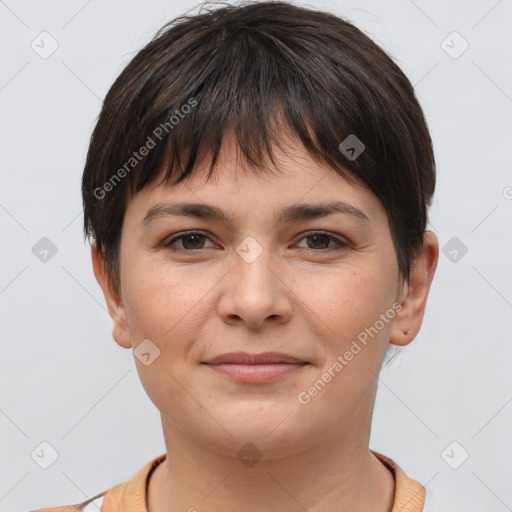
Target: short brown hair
[(263, 70)]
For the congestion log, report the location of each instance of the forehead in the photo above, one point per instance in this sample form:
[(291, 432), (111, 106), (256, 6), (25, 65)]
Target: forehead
[(296, 178)]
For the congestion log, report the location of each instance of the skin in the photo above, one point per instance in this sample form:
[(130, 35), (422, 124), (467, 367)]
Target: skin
[(297, 297)]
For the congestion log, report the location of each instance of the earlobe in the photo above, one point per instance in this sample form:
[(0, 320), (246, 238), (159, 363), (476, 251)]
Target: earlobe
[(114, 302), (414, 293)]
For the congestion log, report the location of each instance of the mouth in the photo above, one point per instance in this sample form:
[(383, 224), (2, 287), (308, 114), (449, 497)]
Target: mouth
[(256, 368)]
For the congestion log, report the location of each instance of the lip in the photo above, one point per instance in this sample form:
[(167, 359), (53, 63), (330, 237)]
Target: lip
[(256, 368), (257, 373), (245, 358)]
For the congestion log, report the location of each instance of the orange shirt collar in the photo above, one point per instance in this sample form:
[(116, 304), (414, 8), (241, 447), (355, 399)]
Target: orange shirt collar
[(130, 496)]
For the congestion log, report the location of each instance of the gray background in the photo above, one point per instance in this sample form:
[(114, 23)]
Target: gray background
[(64, 381)]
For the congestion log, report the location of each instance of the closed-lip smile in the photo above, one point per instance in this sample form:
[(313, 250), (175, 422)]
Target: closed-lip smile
[(256, 368), (261, 358)]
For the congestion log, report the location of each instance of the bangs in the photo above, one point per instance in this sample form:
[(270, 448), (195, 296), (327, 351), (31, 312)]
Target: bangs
[(247, 84)]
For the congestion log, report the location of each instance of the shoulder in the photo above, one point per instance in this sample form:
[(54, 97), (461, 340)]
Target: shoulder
[(127, 495), (409, 493), (91, 505)]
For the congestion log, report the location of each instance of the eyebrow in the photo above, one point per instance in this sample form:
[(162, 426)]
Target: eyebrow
[(289, 214)]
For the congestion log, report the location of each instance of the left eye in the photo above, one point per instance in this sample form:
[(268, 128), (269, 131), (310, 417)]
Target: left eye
[(193, 241), (323, 239)]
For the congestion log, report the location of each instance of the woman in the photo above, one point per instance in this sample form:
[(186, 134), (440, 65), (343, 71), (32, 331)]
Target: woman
[(256, 189)]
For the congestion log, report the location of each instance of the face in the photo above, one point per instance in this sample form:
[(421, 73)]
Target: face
[(263, 277)]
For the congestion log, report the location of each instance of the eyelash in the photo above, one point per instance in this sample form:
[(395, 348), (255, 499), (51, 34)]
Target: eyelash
[(341, 244)]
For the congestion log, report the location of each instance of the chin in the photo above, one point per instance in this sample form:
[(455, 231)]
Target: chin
[(269, 425)]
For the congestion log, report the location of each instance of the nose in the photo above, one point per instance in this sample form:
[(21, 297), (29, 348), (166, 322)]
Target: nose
[(255, 293)]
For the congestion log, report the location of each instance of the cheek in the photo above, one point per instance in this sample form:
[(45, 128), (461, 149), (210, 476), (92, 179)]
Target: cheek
[(346, 302), (162, 303), (346, 319), (165, 308)]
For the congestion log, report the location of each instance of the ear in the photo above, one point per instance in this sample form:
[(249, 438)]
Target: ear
[(120, 331), (413, 294)]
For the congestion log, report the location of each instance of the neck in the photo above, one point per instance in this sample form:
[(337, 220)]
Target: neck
[(338, 473)]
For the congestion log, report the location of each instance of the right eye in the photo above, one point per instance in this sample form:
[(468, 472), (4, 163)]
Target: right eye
[(190, 241)]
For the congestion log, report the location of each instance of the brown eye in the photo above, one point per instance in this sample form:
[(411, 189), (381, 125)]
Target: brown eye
[(319, 241), (190, 242)]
